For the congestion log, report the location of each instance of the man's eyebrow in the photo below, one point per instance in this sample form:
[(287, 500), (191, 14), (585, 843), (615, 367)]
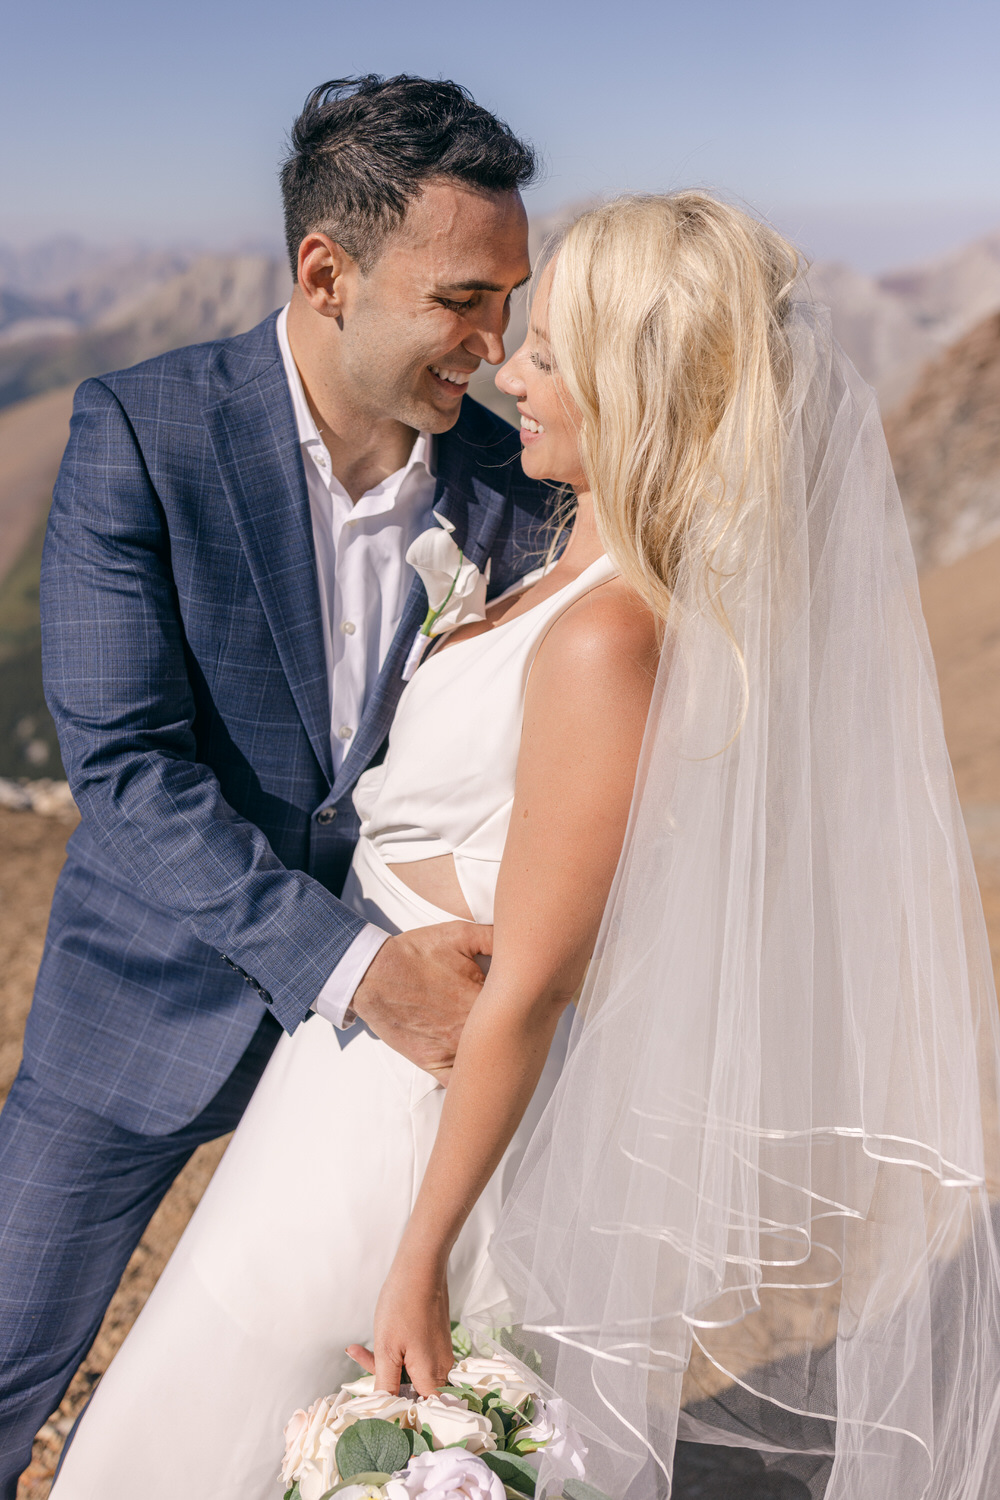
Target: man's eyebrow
[(481, 286)]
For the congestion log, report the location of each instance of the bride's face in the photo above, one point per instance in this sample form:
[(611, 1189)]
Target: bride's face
[(550, 421)]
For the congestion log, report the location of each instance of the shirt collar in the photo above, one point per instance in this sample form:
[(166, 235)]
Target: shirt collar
[(422, 451)]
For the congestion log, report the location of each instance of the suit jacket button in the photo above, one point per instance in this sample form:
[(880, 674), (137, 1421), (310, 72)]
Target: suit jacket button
[(326, 815)]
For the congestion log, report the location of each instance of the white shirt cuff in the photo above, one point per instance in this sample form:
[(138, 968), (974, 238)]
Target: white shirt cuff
[(333, 1002)]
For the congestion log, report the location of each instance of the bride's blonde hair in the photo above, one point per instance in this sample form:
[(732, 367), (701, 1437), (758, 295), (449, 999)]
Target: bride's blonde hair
[(665, 322)]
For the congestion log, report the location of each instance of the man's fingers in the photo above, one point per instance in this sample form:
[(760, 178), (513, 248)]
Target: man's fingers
[(478, 938), (361, 1356)]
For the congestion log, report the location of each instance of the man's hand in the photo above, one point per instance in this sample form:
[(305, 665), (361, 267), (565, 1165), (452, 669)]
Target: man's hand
[(419, 989)]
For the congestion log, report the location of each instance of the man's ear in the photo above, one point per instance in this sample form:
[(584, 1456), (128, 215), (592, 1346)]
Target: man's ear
[(324, 270)]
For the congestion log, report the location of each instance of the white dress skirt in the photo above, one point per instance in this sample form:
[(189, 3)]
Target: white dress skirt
[(284, 1258), (282, 1263)]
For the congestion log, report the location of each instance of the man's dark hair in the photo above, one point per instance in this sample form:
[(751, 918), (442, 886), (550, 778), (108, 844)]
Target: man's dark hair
[(362, 148)]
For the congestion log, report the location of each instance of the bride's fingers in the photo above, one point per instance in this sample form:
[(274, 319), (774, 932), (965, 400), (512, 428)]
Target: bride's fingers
[(388, 1371), (362, 1356)]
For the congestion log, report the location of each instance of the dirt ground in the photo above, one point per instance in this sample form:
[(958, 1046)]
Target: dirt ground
[(31, 854), (32, 849)]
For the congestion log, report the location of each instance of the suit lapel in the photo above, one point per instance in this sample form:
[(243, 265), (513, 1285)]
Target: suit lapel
[(253, 433), (475, 509)]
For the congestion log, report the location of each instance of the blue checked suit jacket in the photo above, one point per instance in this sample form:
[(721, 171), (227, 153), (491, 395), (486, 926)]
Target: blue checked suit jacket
[(185, 670)]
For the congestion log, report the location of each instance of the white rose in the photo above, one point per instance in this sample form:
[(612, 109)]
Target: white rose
[(564, 1449), (448, 576), (483, 1375), (451, 1421), (302, 1434), (311, 1437), (448, 1475)]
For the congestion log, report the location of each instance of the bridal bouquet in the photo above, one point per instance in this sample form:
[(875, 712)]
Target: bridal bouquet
[(478, 1439)]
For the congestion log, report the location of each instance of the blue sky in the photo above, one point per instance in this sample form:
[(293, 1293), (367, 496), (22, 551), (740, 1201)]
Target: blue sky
[(869, 130)]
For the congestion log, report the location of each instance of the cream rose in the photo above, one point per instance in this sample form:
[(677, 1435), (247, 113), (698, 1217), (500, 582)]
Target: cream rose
[(448, 1475), (359, 1399), (483, 1375), (311, 1436), (451, 1421), (550, 1429), (302, 1436)]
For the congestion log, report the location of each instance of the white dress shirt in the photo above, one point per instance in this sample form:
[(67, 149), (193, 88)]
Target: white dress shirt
[(363, 579)]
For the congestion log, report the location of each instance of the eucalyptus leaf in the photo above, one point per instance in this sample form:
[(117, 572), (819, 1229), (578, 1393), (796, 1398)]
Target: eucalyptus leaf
[(419, 1442), (373, 1478), (496, 1422), (464, 1393), (371, 1446), (461, 1342), (293, 1493), (575, 1489), (514, 1472)]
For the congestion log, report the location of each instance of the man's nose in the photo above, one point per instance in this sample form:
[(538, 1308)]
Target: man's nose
[(489, 344)]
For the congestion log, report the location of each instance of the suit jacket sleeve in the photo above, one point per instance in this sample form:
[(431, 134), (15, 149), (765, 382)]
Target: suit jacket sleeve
[(117, 685)]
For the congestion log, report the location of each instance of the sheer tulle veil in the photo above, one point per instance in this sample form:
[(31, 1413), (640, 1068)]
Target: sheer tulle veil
[(761, 1208)]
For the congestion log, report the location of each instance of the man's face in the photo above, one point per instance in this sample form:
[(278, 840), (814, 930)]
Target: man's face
[(434, 305)]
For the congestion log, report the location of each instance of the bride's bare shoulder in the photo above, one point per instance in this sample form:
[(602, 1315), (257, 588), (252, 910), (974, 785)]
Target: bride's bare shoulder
[(609, 629)]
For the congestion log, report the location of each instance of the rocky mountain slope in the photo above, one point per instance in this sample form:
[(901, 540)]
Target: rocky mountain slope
[(945, 443), (213, 297), (891, 325)]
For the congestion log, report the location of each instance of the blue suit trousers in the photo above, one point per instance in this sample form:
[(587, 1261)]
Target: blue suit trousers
[(76, 1194)]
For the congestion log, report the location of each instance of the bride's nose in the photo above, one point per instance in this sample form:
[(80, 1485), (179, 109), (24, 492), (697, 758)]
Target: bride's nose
[(508, 380)]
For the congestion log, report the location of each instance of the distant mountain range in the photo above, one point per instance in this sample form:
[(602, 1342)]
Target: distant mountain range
[(891, 325), (128, 312), (927, 337), (944, 438), (68, 310)]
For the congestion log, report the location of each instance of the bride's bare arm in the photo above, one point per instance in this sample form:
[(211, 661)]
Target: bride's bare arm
[(585, 711)]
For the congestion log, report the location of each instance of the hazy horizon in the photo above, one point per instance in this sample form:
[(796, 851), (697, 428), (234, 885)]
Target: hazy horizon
[(874, 240), (866, 130)]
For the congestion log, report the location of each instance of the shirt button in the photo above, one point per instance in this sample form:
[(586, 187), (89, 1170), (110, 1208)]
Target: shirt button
[(326, 815), (348, 627), (345, 731)]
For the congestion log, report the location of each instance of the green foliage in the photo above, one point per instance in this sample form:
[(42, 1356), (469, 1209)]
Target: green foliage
[(528, 1357), (461, 1342), (292, 1493), (375, 1477), (418, 1443), (575, 1489), (371, 1446), (515, 1472), (499, 1430), (464, 1393)]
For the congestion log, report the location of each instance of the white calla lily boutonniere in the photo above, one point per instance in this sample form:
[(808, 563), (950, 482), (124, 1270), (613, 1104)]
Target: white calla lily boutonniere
[(456, 589)]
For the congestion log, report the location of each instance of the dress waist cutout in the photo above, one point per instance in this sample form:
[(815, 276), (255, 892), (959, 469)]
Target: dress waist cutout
[(446, 785)]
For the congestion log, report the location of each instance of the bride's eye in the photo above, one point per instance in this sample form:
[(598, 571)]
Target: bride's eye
[(539, 363)]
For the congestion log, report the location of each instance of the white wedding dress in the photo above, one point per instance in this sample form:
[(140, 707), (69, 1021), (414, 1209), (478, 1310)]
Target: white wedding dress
[(281, 1264)]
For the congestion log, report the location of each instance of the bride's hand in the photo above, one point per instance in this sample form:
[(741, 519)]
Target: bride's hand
[(412, 1328)]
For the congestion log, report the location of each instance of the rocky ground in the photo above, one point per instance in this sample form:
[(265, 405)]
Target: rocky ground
[(963, 612), (31, 854)]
